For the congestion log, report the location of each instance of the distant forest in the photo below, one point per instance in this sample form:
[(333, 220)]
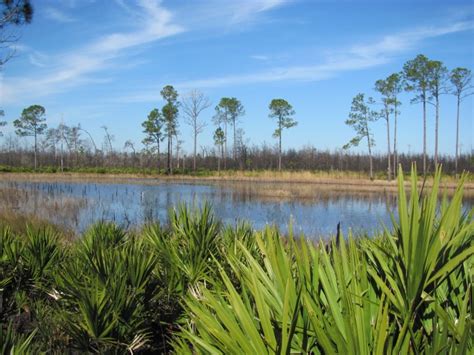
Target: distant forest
[(72, 148), (248, 158)]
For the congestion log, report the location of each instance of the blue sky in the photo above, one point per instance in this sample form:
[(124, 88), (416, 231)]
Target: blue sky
[(104, 63)]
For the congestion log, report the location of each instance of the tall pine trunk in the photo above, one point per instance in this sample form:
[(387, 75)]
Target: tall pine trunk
[(389, 164), (36, 149), (177, 153), (225, 144), (457, 135), (219, 157), (234, 147), (395, 154), (158, 155), (371, 173), (279, 146), (424, 134), (170, 154), (436, 132)]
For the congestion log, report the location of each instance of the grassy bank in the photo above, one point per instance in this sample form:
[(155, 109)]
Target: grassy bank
[(195, 286), (285, 175), (290, 184)]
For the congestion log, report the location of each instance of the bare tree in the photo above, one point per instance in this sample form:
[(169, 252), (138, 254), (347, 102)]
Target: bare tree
[(79, 128), (2, 123), (192, 105), (108, 139), (129, 145), (179, 143)]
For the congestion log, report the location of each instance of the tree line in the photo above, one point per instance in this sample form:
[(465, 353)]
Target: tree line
[(159, 126), (427, 80)]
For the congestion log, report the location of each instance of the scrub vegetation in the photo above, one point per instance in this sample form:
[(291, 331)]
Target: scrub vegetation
[(196, 286)]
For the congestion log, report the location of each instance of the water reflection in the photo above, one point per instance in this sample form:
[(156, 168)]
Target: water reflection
[(312, 210)]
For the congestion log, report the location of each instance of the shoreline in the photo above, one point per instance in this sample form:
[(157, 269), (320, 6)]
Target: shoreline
[(285, 181)]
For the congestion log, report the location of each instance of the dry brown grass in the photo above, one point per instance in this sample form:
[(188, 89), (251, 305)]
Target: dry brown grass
[(335, 181), (19, 222), (20, 207)]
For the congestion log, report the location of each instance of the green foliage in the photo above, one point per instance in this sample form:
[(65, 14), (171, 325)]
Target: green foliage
[(153, 127), (461, 79), (219, 137), (187, 248), (438, 78), (170, 109), (283, 112), (407, 292), (31, 121), (228, 110), (411, 270), (14, 344), (416, 73), (359, 118), (389, 88), (193, 286)]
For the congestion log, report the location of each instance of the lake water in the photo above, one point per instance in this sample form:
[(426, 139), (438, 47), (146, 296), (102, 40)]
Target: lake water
[(78, 205)]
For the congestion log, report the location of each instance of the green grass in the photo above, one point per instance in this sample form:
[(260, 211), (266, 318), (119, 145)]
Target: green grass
[(288, 174), (196, 286)]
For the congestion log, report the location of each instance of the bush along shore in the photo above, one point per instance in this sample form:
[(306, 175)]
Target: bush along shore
[(196, 286)]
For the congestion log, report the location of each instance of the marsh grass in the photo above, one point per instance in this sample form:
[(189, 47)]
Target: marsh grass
[(196, 286), (21, 207)]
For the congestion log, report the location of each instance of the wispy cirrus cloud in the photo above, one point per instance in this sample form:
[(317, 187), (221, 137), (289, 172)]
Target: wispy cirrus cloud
[(74, 69), (229, 14), (57, 15), (156, 22), (243, 10), (38, 59), (259, 57), (356, 57)]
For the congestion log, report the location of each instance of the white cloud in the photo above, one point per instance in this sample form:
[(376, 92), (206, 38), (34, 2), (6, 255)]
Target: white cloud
[(57, 15), (156, 22), (357, 57), (75, 69), (407, 40), (259, 57), (38, 59), (245, 9), (226, 14)]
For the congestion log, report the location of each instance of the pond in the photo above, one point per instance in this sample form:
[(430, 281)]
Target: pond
[(77, 205)]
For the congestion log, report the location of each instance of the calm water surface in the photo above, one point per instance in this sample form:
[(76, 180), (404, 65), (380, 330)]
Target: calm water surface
[(78, 205)]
